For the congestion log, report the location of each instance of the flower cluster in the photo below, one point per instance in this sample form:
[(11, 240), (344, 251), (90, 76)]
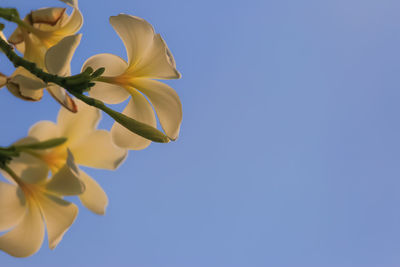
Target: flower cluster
[(42, 168)]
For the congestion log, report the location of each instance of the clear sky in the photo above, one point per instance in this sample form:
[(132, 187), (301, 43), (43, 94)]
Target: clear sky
[(289, 150)]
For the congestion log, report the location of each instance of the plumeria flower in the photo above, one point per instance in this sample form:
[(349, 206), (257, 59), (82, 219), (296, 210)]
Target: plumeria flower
[(148, 58), (42, 30), (89, 147), (25, 85), (31, 200)]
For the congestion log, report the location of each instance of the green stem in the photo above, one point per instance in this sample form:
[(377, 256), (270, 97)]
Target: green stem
[(10, 14), (8, 152), (6, 155), (80, 81), (41, 145), (13, 175)]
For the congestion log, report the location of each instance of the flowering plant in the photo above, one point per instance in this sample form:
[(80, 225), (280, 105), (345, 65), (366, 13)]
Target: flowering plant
[(43, 167)]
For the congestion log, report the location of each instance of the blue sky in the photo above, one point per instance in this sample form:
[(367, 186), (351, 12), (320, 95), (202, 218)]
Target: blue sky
[(289, 149)]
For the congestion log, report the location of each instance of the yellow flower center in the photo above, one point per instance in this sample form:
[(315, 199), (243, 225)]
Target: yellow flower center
[(124, 80), (55, 158), (30, 190)]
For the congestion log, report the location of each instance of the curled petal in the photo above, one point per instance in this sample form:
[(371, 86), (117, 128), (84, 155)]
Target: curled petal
[(62, 97), (26, 85), (58, 215), (14, 90), (51, 35), (23, 84), (136, 33), (12, 205), (94, 198), (157, 63), (73, 3), (2, 36), (72, 24), (166, 103), (97, 150), (139, 109), (27, 237), (49, 15)]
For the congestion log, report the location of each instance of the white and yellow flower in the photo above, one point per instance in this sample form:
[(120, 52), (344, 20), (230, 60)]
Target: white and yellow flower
[(41, 31), (32, 201), (148, 58), (89, 147), (27, 86)]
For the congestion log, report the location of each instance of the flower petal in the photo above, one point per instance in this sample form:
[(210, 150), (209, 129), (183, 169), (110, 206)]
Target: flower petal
[(136, 33), (108, 93), (35, 49), (65, 26), (166, 103), (139, 109), (14, 90), (94, 198), (48, 15), (29, 169), (58, 215), (75, 126), (62, 97), (58, 57), (28, 88), (73, 3), (3, 80), (157, 63), (12, 205), (27, 237), (97, 150), (3, 37), (44, 130), (114, 66), (66, 182), (27, 85), (74, 22), (16, 37)]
